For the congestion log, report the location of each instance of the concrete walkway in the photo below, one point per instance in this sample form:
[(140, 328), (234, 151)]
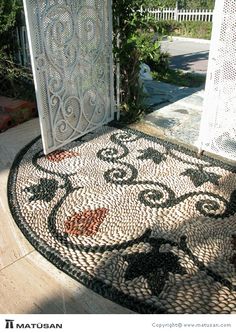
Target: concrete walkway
[(176, 111), (188, 54)]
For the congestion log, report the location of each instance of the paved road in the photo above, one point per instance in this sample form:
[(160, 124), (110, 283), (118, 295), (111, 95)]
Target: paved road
[(188, 55)]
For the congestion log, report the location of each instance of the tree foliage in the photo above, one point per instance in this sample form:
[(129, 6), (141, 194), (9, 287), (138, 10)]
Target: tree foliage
[(126, 21), (182, 4), (9, 17), (15, 81), (137, 43)]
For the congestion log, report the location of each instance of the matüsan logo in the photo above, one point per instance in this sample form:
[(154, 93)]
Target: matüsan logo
[(10, 323)]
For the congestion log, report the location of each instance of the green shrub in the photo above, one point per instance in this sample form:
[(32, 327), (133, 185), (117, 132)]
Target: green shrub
[(182, 4), (149, 48), (180, 78), (166, 27), (15, 81), (193, 29), (135, 31), (10, 14)]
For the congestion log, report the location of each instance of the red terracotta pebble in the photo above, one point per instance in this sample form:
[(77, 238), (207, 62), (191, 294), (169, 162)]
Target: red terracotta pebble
[(60, 155), (85, 223)]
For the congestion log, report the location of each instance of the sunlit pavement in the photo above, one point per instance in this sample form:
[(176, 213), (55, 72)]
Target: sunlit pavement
[(187, 54), (176, 111)]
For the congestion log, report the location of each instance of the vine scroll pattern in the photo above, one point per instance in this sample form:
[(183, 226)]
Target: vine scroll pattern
[(71, 56)]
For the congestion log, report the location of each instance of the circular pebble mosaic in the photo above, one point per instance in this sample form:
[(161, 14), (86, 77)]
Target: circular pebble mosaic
[(141, 221)]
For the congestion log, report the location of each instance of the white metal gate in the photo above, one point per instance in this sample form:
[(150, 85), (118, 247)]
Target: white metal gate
[(218, 124), (71, 54)]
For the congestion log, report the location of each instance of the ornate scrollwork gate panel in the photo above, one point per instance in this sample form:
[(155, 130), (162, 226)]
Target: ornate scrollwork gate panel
[(218, 125), (71, 54)]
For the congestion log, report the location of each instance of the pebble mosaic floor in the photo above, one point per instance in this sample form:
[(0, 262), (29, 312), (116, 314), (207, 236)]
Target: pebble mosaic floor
[(141, 221)]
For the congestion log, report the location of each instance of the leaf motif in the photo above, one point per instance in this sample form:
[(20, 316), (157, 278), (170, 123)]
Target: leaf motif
[(154, 265), (200, 177), (44, 191), (152, 154)]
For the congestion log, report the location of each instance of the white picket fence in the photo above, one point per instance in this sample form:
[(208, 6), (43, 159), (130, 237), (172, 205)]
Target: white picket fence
[(23, 54), (180, 14)]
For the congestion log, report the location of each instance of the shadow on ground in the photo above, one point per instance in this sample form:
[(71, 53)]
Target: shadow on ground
[(160, 94), (189, 61)]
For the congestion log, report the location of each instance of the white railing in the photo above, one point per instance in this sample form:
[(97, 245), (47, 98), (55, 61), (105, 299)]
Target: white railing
[(180, 14), (23, 54)]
